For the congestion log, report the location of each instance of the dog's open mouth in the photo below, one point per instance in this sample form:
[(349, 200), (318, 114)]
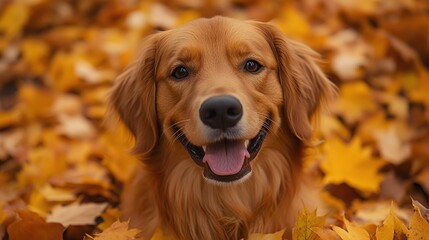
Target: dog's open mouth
[(227, 160)]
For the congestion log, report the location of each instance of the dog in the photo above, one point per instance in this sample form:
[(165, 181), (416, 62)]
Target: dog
[(221, 112)]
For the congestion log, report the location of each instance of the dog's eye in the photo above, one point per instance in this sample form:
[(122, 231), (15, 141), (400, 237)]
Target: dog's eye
[(252, 66), (180, 72)]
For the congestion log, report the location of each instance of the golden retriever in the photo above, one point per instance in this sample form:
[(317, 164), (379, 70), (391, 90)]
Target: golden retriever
[(220, 110)]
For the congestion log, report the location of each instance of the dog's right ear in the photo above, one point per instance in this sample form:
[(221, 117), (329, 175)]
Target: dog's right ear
[(133, 98)]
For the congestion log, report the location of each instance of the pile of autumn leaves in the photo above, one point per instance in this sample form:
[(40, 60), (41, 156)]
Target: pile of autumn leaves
[(61, 171)]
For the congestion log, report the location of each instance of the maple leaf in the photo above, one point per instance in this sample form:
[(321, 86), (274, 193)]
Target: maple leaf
[(118, 231), (305, 222), (352, 164), (76, 214), (353, 232), (392, 228), (33, 225)]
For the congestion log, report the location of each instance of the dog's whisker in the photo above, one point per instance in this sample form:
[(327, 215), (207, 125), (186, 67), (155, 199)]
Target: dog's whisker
[(176, 124), (267, 122)]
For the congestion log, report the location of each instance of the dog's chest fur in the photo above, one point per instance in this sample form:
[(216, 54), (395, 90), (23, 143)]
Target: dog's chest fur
[(258, 205)]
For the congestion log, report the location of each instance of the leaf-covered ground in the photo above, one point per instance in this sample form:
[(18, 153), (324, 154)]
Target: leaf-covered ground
[(61, 170)]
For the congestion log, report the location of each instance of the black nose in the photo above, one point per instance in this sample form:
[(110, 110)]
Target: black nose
[(221, 112)]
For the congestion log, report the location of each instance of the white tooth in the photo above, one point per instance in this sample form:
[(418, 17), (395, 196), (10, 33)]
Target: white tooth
[(246, 143), (204, 148)]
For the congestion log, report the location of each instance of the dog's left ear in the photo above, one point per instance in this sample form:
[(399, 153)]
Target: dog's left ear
[(305, 87)]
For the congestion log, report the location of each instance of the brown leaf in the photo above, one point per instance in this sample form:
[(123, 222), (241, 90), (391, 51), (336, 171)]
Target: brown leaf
[(33, 225)]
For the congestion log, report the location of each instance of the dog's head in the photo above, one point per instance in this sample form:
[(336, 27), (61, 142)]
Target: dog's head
[(218, 87)]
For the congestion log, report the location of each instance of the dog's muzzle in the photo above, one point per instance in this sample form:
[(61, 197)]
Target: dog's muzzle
[(228, 160)]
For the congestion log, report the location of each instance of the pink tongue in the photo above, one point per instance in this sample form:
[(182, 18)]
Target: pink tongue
[(226, 157)]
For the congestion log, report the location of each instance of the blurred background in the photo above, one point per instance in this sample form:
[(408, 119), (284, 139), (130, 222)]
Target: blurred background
[(59, 58)]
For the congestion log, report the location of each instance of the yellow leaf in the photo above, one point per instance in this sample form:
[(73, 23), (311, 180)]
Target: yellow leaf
[(38, 204), (392, 228), (42, 164), (353, 232), (62, 73), (35, 103), (330, 126), (9, 118), (272, 236), (57, 194), (352, 164), (117, 158), (293, 22), (419, 226), (35, 53), (355, 102), (118, 231), (305, 222), (13, 19), (325, 233), (417, 85)]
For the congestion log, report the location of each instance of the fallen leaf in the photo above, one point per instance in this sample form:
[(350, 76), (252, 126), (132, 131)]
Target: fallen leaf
[(351, 54), (325, 233), (304, 224), (35, 53), (76, 126), (118, 231), (351, 232), (13, 19), (419, 226), (293, 22), (57, 194), (393, 187), (375, 212), (33, 225), (392, 228), (392, 147), (344, 163), (356, 101), (9, 118), (42, 164), (76, 214)]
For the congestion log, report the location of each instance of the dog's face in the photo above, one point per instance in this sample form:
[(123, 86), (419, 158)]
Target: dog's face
[(218, 87)]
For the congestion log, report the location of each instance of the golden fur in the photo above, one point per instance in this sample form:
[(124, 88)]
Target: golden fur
[(168, 191)]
